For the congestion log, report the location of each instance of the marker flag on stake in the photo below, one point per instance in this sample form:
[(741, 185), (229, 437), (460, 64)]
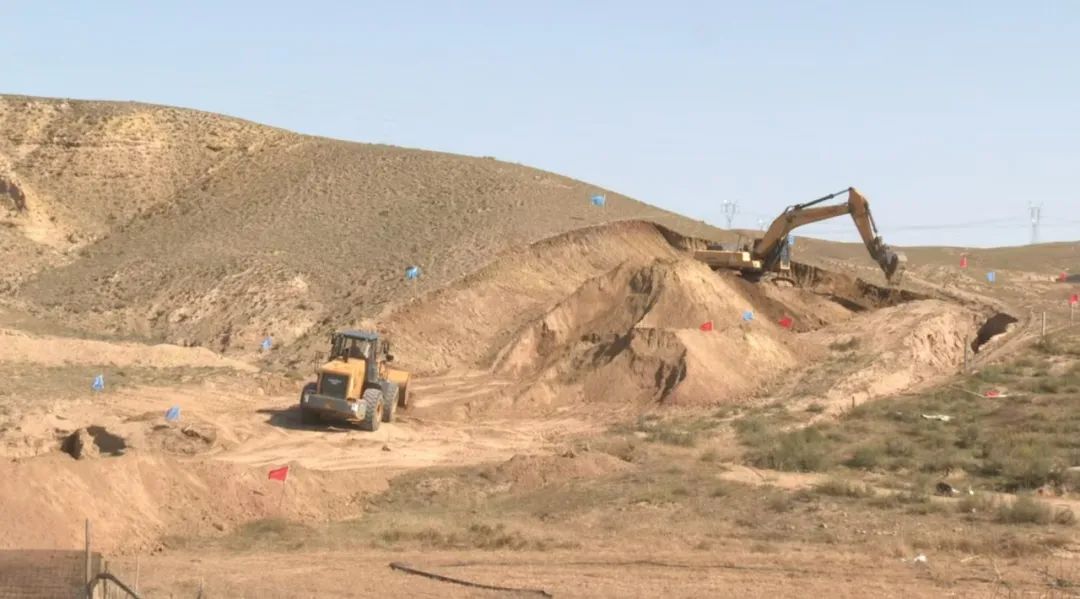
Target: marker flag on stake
[(267, 344), (1063, 277), (1074, 299), (99, 383), (706, 326), (991, 276), (173, 414), (412, 272), (748, 315), (279, 474), (599, 199), (787, 322), (963, 261)]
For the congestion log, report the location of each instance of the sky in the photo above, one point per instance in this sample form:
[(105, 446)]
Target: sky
[(951, 117)]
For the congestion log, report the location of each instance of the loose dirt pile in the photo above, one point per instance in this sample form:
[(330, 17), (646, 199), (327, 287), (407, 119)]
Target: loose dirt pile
[(634, 335), (897, 348)]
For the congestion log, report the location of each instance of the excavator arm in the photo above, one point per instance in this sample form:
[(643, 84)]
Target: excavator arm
[(769, 248)]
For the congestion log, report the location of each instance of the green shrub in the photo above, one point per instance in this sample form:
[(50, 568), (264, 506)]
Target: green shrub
[(866, 457), (1025, 510), (804, 450), (896, 447), (838, 487), (848, 345)]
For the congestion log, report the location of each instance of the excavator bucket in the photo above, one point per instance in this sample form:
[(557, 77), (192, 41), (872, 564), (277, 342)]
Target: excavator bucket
[(894, 265)]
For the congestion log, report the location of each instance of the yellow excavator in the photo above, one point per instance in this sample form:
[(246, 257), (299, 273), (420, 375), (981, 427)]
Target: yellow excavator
[(771, 252)]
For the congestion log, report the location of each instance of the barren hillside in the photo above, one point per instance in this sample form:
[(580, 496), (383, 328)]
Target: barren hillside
[(184, 226)]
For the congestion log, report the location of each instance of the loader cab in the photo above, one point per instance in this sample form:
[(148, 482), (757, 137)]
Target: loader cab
[(356, 362)]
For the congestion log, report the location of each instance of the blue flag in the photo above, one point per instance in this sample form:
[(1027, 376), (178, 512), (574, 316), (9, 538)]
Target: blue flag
[(599, 199), (991, 276), (412, 272), (173, 414), (267, 344), (99, 383), (748, 315)]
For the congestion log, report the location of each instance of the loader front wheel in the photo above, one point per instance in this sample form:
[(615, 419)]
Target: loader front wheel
[(390, 395), (373, 409), (307, 416)]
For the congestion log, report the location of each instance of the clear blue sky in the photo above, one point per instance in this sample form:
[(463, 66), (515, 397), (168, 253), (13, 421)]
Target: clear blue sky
[(946, 114)]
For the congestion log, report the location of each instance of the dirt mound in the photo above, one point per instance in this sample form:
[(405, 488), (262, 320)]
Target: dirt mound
[(48, 350), (528, 472), (467, 324), (634, 334), (898, 348), (136, 499)]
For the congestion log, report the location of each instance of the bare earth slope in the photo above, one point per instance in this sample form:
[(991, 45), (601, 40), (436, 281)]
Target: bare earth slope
[(191, 227)]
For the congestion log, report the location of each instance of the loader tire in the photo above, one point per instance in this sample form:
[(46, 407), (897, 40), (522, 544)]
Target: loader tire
[(403, 397), (390, 395), (373, 409), (308, 416)]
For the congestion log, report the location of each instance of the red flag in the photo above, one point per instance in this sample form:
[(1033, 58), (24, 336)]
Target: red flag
[(279, 473), (1062, 277), (992, 393), (963, 261), (707, 326), (786, 322), (1074, 299)]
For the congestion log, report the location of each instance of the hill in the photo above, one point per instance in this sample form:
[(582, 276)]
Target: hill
[(178, 225)]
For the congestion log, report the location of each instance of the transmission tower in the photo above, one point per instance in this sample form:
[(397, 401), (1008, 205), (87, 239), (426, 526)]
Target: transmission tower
[(1036, 214), (730, 209)]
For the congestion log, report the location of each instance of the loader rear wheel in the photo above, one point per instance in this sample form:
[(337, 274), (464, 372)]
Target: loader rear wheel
[(373, 409)]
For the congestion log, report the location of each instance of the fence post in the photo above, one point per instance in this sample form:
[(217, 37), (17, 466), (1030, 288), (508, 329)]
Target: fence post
[(88, 574), (967, 346)]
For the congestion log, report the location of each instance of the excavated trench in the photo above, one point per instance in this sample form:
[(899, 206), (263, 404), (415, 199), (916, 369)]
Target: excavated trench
[(998, 324)]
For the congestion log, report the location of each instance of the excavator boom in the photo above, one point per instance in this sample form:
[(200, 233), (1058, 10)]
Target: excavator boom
[(767, 252)]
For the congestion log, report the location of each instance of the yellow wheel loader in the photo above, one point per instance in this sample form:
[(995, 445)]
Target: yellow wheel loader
[(771, 252), (356, 384)]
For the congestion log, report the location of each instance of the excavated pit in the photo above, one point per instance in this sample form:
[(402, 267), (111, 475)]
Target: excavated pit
[(12, 196), (998, 324)]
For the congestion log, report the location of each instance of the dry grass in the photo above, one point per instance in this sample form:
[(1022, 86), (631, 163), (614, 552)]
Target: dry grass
[(1014, 443)]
